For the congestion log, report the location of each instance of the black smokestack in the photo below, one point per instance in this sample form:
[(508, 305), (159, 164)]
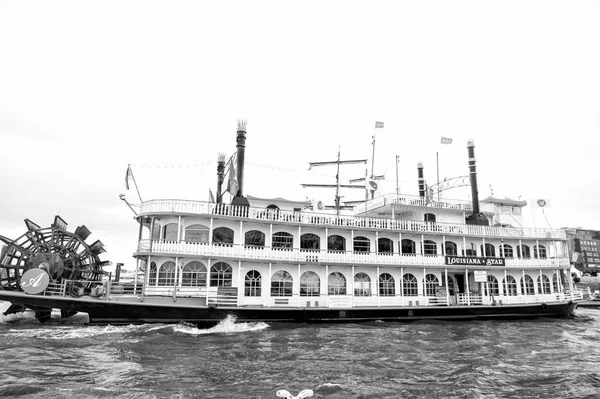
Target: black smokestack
[(220, 177), (241, 154), (477, 217), (421, 179)]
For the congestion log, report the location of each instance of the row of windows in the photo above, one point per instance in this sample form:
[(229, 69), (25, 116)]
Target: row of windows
[(194, 274), (282, 240)]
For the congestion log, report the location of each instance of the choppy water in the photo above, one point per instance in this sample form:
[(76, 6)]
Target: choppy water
[(493, 359)]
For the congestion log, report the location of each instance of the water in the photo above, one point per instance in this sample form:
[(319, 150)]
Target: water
[(493, 359)]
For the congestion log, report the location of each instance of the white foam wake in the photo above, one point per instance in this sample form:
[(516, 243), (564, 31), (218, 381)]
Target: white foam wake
[(228, 325)]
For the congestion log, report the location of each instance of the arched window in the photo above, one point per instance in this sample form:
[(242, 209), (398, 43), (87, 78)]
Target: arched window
[(509, 284), (255, 238), (336, 243), (362, 245), (429, 247), (506, 251), (282, 240), (543, 284), (252, 283), (451, 248), (153, 274), (527, 285), (223, 236), (452, 286), (362, 284), (492, 284), (281, 284), (539, 251), (410, 285), (429, 217), (220, 275), (523, 251), (166, 274), (170, 232), (193, 274), (310, 241), (273, 212), (431, 284), (336, 284), (387, 286), (385, 246), (408, 247), (489, 250), (555, 283), (197, 233), (470, 250), (156, 230), (310, 284)]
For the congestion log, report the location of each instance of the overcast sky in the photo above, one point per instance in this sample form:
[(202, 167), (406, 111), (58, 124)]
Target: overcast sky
[(87, 88)]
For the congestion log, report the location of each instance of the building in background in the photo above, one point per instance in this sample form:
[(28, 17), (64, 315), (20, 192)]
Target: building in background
[(584, 249)]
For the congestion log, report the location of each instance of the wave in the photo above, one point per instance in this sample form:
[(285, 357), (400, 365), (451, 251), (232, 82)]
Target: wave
[(228, 325)]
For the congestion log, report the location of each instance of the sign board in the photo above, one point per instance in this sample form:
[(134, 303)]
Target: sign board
[(474, 261), (480, 276), (35, 281)]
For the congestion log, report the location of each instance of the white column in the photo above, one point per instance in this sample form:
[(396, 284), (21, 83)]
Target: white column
[(210, 232), (179, 229), (467, 282), (523, 289), (484, 252), (268, 284), (402, 284), (298, 285), (242, 238), (269, 241), (447, 288), (240, 282), (377, 285)]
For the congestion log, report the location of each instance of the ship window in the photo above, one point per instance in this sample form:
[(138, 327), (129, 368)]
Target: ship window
[(156, 231), (223, 235), (336, 284), (555, 283), (252, 283), (166, 274), (310, 284), (491, 288), (488, 250), (153, 274), (543, 284), (527, 285), (255, 237), (509, 286), (408, 247), (387, 285), (410, 285), (197, 233), (539, 251), (362, 245), (385, 246), (336, 243), (220, 275), (362, 284), (429, 217), (282, 240), (273, 212), (451, 248), (470, 250), (429, 247), (193, 275), (525, 251), (506, 251), (170, 232), (281, 284), (451, 286), (310, 241), (431, 284)]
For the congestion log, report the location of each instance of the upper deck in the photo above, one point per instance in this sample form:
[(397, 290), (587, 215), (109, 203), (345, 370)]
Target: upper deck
[(310, 218)]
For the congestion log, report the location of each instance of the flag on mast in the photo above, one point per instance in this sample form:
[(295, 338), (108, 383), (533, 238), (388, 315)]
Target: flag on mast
[(128, 175), (232, 184), (378, 125), (446, 140)]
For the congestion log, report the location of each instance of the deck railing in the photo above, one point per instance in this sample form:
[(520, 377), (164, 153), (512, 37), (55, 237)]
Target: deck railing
[(309, 218)]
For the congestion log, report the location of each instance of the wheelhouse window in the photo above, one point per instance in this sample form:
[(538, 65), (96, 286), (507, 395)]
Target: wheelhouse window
[(310, 284), (506, 251), (310, 241), (408, 247), (336, 243), (362, 284), (223, 235), (152, 276), (387, 285), (429, 247), (282, 240), (254, 238), (281, 284), (362, 245), (491, 288), (543, 284), (156, 230), (197, 233), (431, 284), (510, 286), (336, 284), (429, 217), (193, 274), (220, 275), (273, 211), (527, 285), (523, 251), (170, 232), (252, 283), (539, 251), (385, 246), (488, 250), (451, 248), (451, 286), (410, 285), (166, 274)]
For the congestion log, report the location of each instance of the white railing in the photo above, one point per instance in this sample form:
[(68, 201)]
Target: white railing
[(328, 220), (322, 256), (412, 200)]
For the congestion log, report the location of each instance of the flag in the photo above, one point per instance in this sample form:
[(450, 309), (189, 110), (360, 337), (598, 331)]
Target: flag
[(540, 203), (446, 140), (372, 184), (378, 125), (128, 175), (211, 197), (233, 185)]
